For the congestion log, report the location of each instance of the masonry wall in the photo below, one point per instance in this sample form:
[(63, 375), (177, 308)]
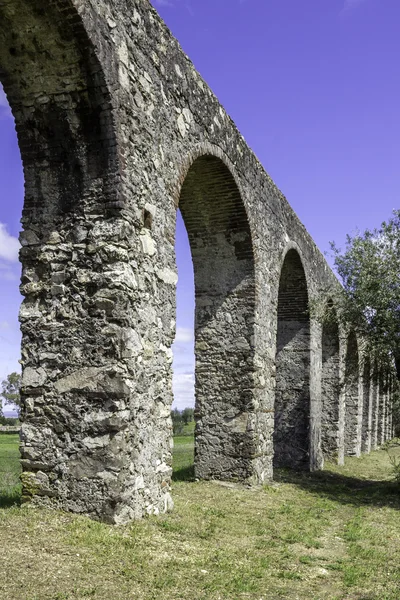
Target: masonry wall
[(352, 395), (330, 394), (116, 129), (366, 408)]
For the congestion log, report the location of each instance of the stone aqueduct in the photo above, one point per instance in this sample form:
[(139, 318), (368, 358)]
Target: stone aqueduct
[(116, 130)]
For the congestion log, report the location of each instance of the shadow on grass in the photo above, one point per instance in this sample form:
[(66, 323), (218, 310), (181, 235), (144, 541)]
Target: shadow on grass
[(343, 489), (183, 474), (10, 498)]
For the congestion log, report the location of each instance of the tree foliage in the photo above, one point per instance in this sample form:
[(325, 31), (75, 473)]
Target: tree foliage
[(181, 418), (188, 415), (177, 421), (10, 390), (370, 271)]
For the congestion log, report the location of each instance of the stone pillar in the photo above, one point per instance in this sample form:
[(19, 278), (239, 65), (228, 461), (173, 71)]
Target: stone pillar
[(366, 407), (388, 407), (330, 389), (84, 426), (316, 381), (342, 394), (390, 415), (353, 388), (375, 408), (382, 410)]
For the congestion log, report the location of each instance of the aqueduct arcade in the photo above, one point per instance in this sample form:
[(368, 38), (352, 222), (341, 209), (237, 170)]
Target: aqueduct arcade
[(116, 131)]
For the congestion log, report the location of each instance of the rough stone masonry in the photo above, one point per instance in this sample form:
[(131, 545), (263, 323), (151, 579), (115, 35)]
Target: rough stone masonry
[(117, 130)]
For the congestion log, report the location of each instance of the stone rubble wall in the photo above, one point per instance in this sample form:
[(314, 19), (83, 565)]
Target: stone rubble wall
[(330, 393), (116, 130)]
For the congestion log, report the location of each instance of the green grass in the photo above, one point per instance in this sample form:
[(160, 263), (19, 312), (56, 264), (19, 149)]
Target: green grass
[(333, 535), (183, 458), (188, 429), (10, 489)]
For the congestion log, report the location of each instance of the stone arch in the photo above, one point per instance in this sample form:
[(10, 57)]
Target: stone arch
[(352, 413), (330, 383), (222, 252), (65, 125), (292, 396)]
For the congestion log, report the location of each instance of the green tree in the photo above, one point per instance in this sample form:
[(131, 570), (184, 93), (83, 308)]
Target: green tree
[(10, 390), (188, 415), (369, 268), (177, 421)]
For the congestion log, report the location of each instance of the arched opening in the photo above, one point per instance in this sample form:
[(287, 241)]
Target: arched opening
[(366, 407), (292, 396), (183, 366), (330, 387), (11, 195), (351, 429), (222, 254)]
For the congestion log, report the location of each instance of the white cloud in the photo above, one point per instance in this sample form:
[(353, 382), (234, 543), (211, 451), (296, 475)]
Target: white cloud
[(183, 368), (183, 386), (9, 245), (183, 352), (184, 335), (163, 2)]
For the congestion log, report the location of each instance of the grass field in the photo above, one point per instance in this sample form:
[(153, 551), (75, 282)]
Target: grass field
[(10, 488), (331, 535)]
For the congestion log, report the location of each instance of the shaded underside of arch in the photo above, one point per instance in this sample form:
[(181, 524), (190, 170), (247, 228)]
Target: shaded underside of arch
[(61, 104), (292, 398), (222, 253)]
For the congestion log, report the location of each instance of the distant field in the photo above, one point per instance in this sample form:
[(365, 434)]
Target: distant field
[(333, 535)]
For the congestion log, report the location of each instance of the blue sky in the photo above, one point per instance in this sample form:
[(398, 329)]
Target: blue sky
[(313, 86)]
